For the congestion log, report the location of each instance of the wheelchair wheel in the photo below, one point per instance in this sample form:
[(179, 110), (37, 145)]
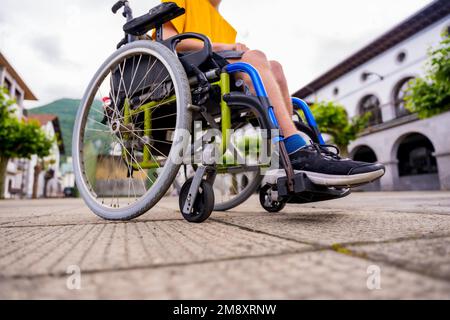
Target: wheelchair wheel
[(127, 152), (204, 202), (265, 199), (230, 189), (233, 189)]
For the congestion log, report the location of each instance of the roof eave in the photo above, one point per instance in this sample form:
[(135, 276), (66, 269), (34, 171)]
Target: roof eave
[(28, 94), (431, 14)]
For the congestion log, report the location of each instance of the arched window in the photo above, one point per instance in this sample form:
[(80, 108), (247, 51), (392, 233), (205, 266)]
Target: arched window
[(400, 92), (8, 85), (365, 154), (415, 156), (370, 103)]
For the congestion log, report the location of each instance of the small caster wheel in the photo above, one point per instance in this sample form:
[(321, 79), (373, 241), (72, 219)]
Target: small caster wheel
[(265, 198), (204, 202)]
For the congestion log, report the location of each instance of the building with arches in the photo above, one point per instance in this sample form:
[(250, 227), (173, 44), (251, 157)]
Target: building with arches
[(416, 152)]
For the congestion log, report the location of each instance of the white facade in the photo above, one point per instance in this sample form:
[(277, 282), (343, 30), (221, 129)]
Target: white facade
[(352, 88), (387, 72), (16, 171), (15, 91), (52, 162), (19, 178), (68, 177)]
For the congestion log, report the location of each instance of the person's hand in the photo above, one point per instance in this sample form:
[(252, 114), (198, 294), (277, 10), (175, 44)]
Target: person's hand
[(231, 47), (223, 47), (241, 47)]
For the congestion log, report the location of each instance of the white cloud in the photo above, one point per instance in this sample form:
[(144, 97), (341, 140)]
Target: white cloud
[(57, 46)]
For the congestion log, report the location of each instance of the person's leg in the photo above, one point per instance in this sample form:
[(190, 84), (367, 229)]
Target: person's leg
[(318, 163), (277, 70), (258, 60)]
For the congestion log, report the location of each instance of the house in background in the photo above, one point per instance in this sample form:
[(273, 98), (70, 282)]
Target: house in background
[(415, 152), (17, 170), (22, 180), (67, 174), (44, 176)]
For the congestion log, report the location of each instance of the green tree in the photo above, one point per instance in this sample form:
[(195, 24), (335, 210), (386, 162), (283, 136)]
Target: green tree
[(333, 120), (18, 139), (430, 95)]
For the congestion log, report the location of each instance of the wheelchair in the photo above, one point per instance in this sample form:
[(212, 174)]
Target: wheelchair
[(149, 110)]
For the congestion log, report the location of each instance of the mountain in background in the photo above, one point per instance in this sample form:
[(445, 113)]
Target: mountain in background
[(66, 110)]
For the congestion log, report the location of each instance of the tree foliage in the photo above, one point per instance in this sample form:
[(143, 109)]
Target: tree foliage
[(430, 95), (333, 119), (20, 138)]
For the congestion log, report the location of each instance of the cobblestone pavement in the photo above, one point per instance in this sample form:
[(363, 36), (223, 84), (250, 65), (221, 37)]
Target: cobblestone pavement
[(340, 249)]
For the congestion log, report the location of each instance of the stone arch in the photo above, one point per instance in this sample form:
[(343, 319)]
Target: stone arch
[(366, 154), (416, 162)]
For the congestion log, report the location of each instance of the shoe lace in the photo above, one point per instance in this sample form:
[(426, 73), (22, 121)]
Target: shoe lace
[(324, 149)]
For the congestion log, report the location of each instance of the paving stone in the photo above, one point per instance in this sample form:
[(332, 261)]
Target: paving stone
[(315, 275), (428, 256), (409, 202), (48, 213), (328, 227), (312, 251), (50, 250)]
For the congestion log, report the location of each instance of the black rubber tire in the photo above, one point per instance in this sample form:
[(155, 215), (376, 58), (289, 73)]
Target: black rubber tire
[(275, 206), (204, 202)]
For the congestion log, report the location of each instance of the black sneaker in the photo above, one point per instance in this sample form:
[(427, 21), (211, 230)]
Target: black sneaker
[(325, 167)]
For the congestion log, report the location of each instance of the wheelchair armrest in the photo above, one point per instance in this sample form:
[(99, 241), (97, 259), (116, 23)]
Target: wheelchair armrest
[(195, 58), (239, 100)]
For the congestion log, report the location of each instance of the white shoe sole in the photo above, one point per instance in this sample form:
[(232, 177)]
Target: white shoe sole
[(330, 180)]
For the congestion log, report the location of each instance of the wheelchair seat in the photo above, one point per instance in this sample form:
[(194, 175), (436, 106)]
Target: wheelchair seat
[(155, 18)]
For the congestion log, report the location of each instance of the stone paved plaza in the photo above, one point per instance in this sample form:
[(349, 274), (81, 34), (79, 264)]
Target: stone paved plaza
[(341, 249)]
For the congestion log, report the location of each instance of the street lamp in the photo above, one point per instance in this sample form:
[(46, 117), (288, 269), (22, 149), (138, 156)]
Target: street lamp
[(366, 74)]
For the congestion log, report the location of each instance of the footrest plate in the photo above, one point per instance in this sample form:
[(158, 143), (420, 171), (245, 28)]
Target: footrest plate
[(305, 191)]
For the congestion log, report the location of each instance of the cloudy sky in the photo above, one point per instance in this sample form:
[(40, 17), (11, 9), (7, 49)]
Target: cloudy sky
[(57, 45)]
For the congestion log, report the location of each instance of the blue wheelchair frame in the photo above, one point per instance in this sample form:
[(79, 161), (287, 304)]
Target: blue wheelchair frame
[(261, 93), (294, 188)]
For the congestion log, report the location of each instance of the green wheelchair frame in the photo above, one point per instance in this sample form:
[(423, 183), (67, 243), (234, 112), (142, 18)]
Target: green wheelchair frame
[(146, 109)]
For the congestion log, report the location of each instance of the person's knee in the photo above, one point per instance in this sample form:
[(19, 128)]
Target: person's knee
[(256, 58), (277, 70)]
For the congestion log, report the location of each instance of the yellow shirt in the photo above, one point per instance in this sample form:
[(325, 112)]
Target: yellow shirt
[(202, 17)]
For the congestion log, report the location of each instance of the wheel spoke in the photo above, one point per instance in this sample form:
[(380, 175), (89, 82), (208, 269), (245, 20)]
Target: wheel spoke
[(112, 153)]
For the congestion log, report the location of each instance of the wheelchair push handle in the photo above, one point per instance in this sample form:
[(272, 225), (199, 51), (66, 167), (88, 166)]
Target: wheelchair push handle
[(127, 12), (118, 5)]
